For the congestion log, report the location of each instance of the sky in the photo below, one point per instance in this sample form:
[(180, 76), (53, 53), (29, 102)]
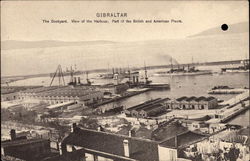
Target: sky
[(22, 20)]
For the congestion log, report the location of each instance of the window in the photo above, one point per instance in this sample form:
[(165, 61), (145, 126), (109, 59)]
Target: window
[(202, 106), (195, 126), (192, 106)]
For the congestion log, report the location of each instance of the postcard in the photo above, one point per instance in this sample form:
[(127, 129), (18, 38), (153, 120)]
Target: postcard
[(125, 80)]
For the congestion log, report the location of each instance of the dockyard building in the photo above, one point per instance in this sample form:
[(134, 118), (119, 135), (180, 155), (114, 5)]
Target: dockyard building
[(151, 108), (194, 103), (54, 95), (9, 93)]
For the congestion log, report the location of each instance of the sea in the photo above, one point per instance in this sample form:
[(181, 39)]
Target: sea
[(180, 86)]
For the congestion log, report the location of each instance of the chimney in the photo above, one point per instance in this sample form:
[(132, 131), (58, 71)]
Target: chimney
[(126, 148), (60, 148), (2, 151), (13, 134), (131, 133), (73, 127), (75, 80), (100, 128), (175, 141), (79, 80)]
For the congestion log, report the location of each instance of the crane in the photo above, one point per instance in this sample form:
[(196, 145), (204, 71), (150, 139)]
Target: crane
[(59, 74)]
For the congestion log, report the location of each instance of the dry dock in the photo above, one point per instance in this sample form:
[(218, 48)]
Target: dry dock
[(130, 94)]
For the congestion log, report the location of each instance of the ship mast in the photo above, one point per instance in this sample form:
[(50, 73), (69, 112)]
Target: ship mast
[(87, 78), (171, 63), (71, 74), (108, 68), (129, 74), (192, 61), (146, 73)]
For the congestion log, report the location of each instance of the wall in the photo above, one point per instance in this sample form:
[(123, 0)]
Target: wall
[(167, 154), (9, 96), (35, 149)]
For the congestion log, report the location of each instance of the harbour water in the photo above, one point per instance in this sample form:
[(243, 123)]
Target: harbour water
[(191, 86), (180, 86)]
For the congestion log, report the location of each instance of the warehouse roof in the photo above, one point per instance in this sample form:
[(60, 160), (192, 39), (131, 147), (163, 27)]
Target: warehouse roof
[(193, 98), (12, 89), (181, 98)]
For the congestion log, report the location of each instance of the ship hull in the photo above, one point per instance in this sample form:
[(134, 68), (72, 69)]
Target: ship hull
[(183, 74), (157, 86)]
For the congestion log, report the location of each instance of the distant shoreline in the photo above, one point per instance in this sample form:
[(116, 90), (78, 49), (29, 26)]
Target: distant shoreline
[(138, 68)]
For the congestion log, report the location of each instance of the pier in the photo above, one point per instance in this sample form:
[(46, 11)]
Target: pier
[(233, 108), (235, 113)]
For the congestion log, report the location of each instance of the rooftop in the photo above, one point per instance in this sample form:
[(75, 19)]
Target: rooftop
[(140, 149), (168, 131), (182, 98), (184, 139), (40, 89), (9, 143), (12, 89), (245, 131), (68, 92), (193, 98), (149, 104)]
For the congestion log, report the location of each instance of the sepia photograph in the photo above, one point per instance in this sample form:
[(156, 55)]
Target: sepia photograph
[(125, 80)]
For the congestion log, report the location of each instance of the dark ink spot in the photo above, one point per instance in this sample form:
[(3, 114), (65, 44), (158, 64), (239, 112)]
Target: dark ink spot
[(224, 27)]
